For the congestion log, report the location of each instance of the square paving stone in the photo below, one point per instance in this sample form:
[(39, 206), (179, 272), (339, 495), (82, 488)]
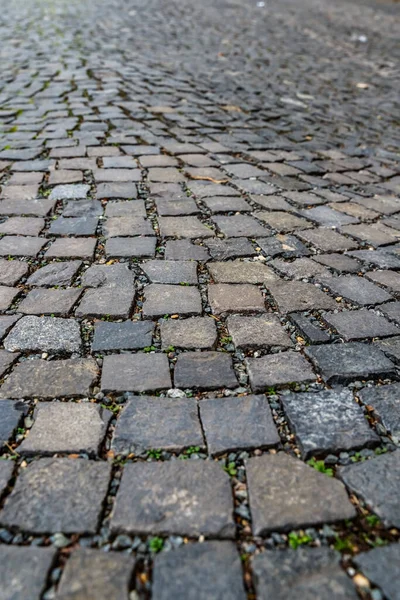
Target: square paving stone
[(306, 573), (76, 226), (117, 275), (113, 302), (185, 250), (11, 271), (50, 379), (130, 247), (229, 248), (11, 414), (66, 427), (241, 423), (129, 335), (7, 296), (278, 370), (327, 422), (239, 226), (377, 483), (199, 572), (96, 575), (45, 334), (58, 494), (72, 248), (22, 226), (240, 271), (382, 567), (135, 373), (49, 301), (297, 296), (385, 400), (174, 498), (57, 273), (256, 332), (24, 571), (343, 363), (16, 245), (206, 370), (240, 298), (356, 289), (150, 422), (192, 333), (327, 240), (359, 324), (170, 271), (127, 226), (287, 494), (184, 227), (163, 300)]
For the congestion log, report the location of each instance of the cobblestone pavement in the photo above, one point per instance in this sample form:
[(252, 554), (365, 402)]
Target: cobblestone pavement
[(200, 300)]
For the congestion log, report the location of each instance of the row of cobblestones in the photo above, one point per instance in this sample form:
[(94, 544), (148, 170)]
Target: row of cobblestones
[(199, 300)]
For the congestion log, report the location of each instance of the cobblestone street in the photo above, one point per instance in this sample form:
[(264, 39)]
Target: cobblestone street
[(199, 300)]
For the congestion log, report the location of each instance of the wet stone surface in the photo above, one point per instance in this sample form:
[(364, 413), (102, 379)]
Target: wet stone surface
[(190, 220)]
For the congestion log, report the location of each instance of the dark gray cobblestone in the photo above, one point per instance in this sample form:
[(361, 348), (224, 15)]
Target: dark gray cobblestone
[(199, 202)]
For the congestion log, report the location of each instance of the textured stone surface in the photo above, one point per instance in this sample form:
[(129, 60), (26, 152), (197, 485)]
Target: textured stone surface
[(48, 379), (57, 494), (244, 298), (237, 424), (199, 572), (29, 581), (357, 290), (206, 370), (385, 400), (128, 335), (286, 494), (11, 414), (149, 422), (238, 271), (327, 422), (66, 427), (171, 271), (278, 370), (44, 334), (306, 573), (382, 567), (91, 574), (195, 332), (377, 483), (174, 498), (294, 296), (163, 300), (6, 470), (55, 274), (360, 324), (255, 332), (342, 363), (135, 373)]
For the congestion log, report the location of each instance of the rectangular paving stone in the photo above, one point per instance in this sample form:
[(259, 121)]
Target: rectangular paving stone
[(279, 370), (29, 581), (15, 245), (377, 483), (44, 301), (6, 322), (47, 334), (376, 234), (327, 422), (11, 271), (388, 279), (338, 262), (287, 494), (66, 427), (163, 300), (72, 248), (135, 373), (300, 268), (40, 207), (185, 250), (256, 332), (128, 335), (29, 226), (327, 240), (51, 379), (55, 274), (124, 208), (297, 296), (229, 248), (130, 247), (238, 271), (57, 495), (76, 226), (385, 402), (11, 414), (359, 324), (303, 573), (282, 245), (69, 191), (7, 296), (127, 226), (196, 499), (93, 574), (282, 222), (116, 190), (192, 333), (382, 259), (241, 298), (170, 271), (309, 328), (199, 572), (352, 361), (148, 422), (242, 423), (206, 370), (113, 302), (382, 567), (239, 226), (184, 227), (356, 289), (116, 276)]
